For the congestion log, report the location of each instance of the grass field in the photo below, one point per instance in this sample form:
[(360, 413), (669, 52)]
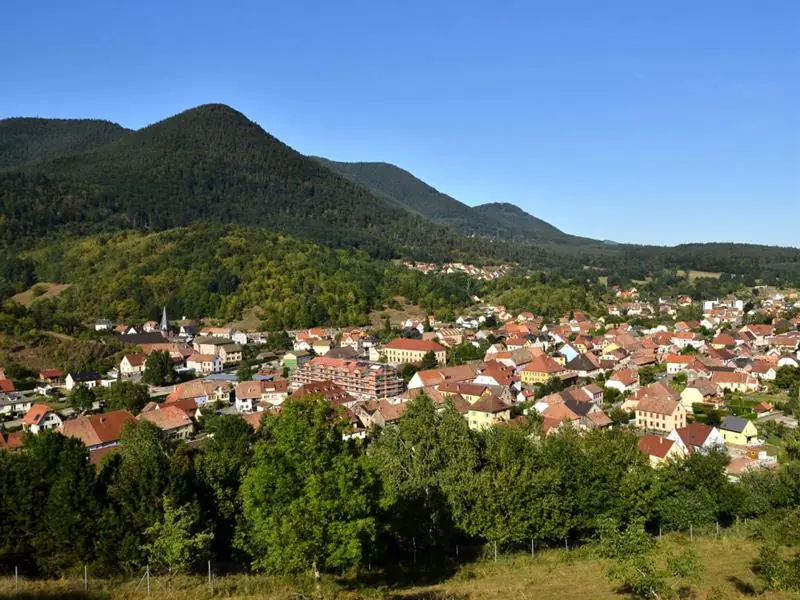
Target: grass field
[(557, 574), (700, 274), (40, 291)]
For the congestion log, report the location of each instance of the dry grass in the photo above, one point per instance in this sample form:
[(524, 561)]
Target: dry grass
[(408, 311), (692, 275), (574, 575), (40, 291)]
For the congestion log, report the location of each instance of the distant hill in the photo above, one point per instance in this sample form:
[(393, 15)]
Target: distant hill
[(25, 141), (500, 220)]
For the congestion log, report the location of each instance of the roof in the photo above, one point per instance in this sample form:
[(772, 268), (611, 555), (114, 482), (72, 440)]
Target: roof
[(254, 420), (167, 417), (98, 429), (465, 389), (7, 386), (414, 345), (729, 377), (201, 358), (655, 445), (51, 374), (248, 390), (392, 411), (328, 389), (626, 377), (431, 377), (489, 404), (135, 360), (694, 435), (734, 423), (559, 412), (85, 376), (543, 364), (97, 455), (35, 415), (661, 406)]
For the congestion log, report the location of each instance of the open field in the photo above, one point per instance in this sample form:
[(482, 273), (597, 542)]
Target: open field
[(40, 291), (397, 316), (573, 575), (700, 274)]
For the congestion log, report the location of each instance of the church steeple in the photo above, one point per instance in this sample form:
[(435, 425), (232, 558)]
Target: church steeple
[(164, 325)]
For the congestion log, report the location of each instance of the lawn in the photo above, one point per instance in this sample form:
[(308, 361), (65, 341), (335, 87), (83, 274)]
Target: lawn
[(564, 575)]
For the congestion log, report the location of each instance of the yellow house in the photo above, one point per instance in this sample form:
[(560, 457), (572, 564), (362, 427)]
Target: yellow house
[(660, 449), (488, 411), (539, 370), (402, 351), (738, 431)]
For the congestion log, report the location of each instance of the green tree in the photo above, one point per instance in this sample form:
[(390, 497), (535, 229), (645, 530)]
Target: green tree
[(244, 372), (174, 540), (308, 498), (81, 398), (126, 395), (158, 369), (636, 566), (428, 361)]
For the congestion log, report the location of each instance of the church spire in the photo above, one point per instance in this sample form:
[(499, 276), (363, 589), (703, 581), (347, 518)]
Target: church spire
[(164, 325)]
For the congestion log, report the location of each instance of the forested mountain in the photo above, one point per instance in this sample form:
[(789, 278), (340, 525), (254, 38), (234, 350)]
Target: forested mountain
[(211, 163), (500, 220), (25, 141)]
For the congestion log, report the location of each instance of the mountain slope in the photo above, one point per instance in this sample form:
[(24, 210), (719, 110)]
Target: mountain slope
[(503, 221), (211, 163), (25, 141)]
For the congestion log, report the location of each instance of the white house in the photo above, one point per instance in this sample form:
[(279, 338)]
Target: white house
[(39, 418), (204, 364), (88, 378)]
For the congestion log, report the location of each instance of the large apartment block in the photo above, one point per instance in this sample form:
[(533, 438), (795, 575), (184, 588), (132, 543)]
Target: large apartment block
[(361, 379)]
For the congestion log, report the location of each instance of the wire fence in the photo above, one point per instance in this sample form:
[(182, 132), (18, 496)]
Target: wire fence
[(226, 582)]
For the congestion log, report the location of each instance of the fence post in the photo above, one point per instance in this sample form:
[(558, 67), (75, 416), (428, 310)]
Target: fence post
[(717, 528), (16, 580), (566, 545), (533, 550), (85, 578), (495, 552), (691, 532), (659, 533), (147, 574), (210, 584)]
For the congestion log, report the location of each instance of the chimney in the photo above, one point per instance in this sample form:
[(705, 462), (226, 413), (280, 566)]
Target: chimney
[(660, 440)]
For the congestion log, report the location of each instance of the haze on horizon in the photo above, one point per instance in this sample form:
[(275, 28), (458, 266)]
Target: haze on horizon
[(631, 122)]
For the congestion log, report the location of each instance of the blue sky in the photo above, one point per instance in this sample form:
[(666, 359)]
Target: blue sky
[(652, 122)]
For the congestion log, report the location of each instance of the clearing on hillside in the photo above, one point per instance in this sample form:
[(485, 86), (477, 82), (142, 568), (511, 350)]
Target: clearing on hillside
[(40, 291)]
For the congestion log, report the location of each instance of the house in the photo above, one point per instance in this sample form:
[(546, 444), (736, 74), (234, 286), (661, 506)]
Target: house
[(435, 377), (132, 364), (103, 325), (660, 449), (738, 431), (14, 404), (660, 414), (685, 339), (230, 353), (170, 419), (763, 409), (219, 332), (540, 370), (202, 392), (734, 381), (677, 363), (698, 437), (403, 350), (496, 374), (764, 370), (248, 395), (204, 363), (39, 418), (584, 365), (52, 377), (98, 431), (88, 378), (296, 359), (623, 380), (488, 411), (700, 391)]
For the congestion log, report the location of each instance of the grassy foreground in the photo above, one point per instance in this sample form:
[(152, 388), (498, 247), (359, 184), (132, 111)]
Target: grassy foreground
[(556, 574)]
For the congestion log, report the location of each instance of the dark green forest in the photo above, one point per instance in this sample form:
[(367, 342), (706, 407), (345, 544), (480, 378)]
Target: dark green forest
[(296, 495), (208, 213)]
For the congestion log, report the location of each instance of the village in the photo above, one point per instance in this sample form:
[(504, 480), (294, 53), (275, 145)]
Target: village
[(683, 386)]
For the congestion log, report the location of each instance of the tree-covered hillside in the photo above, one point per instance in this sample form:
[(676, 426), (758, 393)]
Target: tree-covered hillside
[(26, 141), (211, 163), (502, 221)]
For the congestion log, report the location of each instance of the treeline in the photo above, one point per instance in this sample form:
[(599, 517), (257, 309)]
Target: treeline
[(297, 496)]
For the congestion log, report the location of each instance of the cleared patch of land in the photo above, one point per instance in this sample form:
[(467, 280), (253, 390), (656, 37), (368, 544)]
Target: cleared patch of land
[(40, 291), (397, 315), (700, 274), (557, 574)]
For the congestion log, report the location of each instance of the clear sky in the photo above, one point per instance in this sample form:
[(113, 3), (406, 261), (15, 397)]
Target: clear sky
[(633, 120)]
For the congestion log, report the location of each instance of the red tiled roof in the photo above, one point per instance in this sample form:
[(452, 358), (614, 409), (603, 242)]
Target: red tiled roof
[(490, 404), (543, 364), (35, 415), (167, 417), (661, 406), (6, 385), (414, 345), (98, 429), (655, 445)]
